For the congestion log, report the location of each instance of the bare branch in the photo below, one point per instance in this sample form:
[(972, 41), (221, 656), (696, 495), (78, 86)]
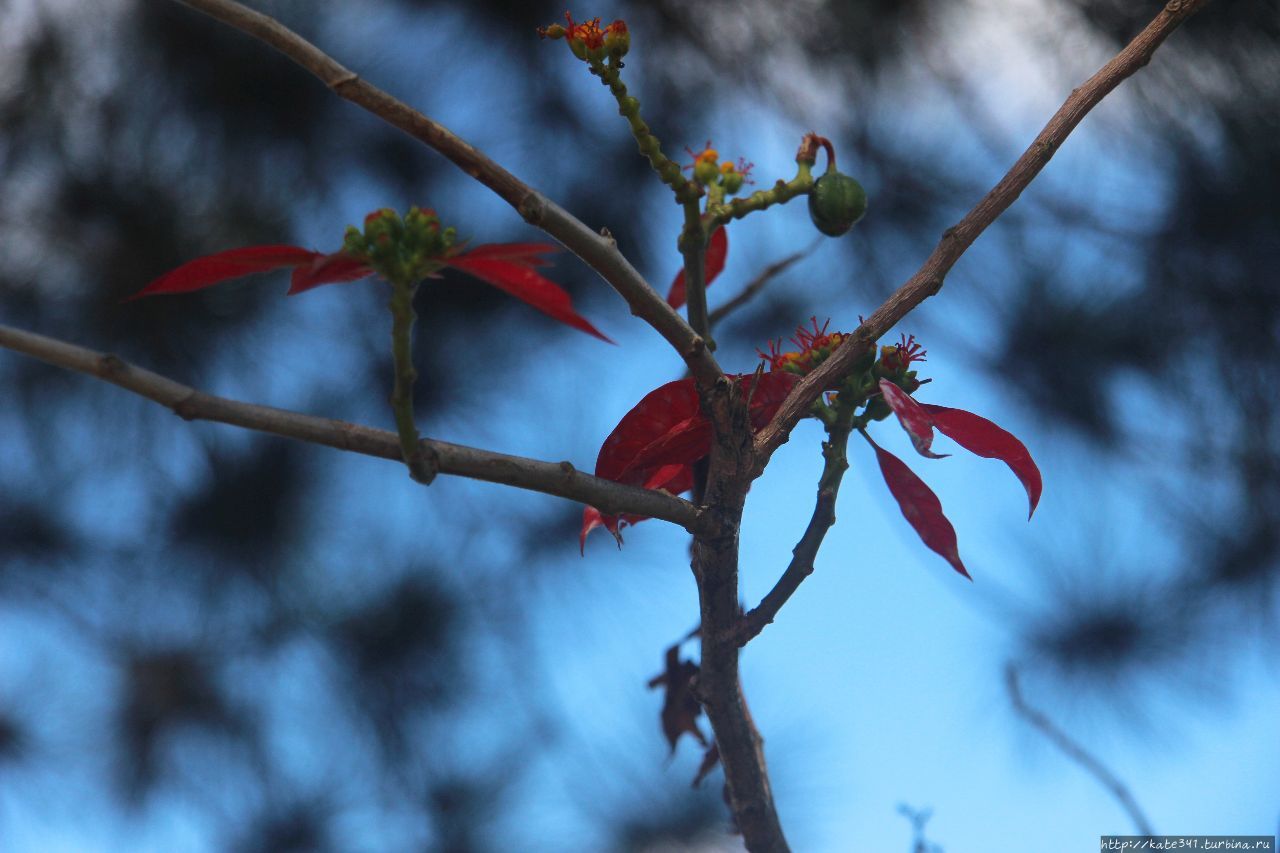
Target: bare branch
[(553, 478), (956, 240), (1074, 751), (598, 251), (834, 451)]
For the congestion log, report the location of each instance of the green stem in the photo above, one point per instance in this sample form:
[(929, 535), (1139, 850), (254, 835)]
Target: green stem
[(422, 463), (839, 423), (780, 193), (693, 247), (629, 108)]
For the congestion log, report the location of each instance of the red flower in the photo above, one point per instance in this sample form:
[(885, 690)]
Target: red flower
[(898, 358), (814, 347), (507, 266)]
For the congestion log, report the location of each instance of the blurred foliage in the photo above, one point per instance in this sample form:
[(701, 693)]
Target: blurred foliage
[(137, 135)]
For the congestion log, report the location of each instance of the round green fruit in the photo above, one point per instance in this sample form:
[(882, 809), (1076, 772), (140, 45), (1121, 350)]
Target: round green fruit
[(836, 203)]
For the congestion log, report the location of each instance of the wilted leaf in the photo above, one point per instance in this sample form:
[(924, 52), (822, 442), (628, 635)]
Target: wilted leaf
[(709, 761), (680, 708)]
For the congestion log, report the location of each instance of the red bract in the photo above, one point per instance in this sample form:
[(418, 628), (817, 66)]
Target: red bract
[(713, 264), (913, 418), (507, 266), (972, 432), (656, 444), (983, 438), (920, 506)]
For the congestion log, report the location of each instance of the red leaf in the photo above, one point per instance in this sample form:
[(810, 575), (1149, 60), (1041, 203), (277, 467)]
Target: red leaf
[(212, 269), (671, 478), (529, 254), (980, 436), (765, 397), (670, 407), (713, 265), (327, 269), (510, 269), (656, 443), (914, 419), (920, 506)]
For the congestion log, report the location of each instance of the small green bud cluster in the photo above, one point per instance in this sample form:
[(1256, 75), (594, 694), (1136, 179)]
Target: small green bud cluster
[(403, 251), (708, 171)]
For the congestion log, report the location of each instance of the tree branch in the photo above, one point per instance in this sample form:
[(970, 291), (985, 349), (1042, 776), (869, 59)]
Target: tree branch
[(734, 463), (956, 240), (719, 686), (806, 551), (552, 478), (598, 251), (1074, 751)]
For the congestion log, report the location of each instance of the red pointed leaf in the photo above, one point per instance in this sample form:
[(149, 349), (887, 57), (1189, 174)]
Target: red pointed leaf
[(914, 419), (684, 443), (656, 443), (233, 263), (983, 438), (327, 269), (529, 254), (766, 395), (514, 275), (666, 408), (920, 506), (713, 264), (675, 479)]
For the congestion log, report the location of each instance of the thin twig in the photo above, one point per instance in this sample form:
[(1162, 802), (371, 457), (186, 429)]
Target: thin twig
[(560, 479), (806, 551), (422, 466), (956, 240), (758, 284), (598, 251), (1074, 751)]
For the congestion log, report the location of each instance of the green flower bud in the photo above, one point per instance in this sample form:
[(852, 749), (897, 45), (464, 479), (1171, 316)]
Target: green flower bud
[(706, 170), (617, 40), (877, 409)]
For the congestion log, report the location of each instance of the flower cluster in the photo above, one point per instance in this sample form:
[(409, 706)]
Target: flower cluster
[(589, 41), (709, 171), (408, 249), (814, 348), (896, 360)]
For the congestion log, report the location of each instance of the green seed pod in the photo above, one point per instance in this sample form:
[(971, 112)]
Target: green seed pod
[(836, 203)]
